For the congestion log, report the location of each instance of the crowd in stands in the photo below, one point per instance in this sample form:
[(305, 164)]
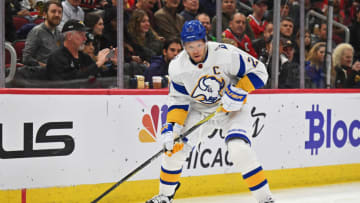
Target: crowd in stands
[(74, 39)]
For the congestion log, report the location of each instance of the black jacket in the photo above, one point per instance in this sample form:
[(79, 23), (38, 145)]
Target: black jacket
[(63, 66)]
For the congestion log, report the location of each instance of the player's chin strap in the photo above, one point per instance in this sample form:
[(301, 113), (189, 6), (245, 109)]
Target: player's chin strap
[(151, 159)]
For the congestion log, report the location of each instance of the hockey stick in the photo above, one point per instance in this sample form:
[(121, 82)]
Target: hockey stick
[(151, 159)]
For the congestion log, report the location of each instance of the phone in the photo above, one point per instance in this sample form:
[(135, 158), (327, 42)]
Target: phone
[(111, 54)]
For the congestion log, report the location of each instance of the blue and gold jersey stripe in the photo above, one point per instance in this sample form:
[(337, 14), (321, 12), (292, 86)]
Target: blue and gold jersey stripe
[(242, 67), (179, 88), (250, 82), (177, 114)]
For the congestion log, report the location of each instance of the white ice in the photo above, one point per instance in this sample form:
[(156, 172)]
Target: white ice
[(335, 193)]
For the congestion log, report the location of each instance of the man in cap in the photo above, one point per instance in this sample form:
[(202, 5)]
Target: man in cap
[(289, 72), (68, 62), (256, 21)]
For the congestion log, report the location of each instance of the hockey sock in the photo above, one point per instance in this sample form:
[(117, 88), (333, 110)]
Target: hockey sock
[(245, 159)]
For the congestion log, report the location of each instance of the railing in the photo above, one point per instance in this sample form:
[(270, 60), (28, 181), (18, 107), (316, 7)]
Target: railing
[(322, 17), (13, 58)]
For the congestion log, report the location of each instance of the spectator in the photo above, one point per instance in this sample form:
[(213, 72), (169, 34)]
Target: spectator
[(45, 37), (96, 25), (289, 70), (89, 48), (147, 6), (314, 66), (143, 39), (322, 37), (190, 11), (263, 45), (286, 27), (208, 7), (9, 25), (159, 64), (307, 42), (284, 8), (236, 31), (353, 80), (168, 22), (228, 9), (17, 9), (68, 62), (355, 33), (256, 19), (109, 37), (72, 10), (342, 60), (205, 21)]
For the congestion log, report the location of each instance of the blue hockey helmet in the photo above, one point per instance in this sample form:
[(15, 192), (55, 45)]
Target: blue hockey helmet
[(193, 30)]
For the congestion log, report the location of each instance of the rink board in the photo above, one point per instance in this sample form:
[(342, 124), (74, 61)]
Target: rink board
[(302, 138)]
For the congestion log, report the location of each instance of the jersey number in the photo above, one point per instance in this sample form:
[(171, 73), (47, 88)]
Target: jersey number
[(253, 61)]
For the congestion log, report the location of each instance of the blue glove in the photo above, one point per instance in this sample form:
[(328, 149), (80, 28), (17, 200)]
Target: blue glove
[(233, 98)]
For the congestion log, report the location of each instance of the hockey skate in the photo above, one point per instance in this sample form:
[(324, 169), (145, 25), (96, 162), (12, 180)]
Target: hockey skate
[(160, 199), (163, 198), (268, 200)]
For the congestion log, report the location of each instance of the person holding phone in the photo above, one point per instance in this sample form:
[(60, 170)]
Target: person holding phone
[(68, 62)]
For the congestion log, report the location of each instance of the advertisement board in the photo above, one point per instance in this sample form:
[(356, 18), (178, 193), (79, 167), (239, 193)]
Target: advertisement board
[(62, 140)]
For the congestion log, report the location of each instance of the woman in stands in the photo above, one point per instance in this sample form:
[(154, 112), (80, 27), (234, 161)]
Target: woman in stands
[(96, 24), (314, 66), (342, 61), (143, 39)]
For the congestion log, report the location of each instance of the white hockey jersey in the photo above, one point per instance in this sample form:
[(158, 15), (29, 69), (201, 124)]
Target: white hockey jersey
[(200, 86)]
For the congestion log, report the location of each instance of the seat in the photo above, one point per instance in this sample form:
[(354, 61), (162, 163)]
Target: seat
[(39, 20), (88, 4), (19, 45), (7, 58), (19, 21)]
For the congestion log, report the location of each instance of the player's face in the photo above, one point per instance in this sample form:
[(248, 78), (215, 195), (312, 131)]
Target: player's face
[(196, 50)]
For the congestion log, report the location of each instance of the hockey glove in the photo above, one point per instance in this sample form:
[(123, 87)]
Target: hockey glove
[(233, 98), (167, 138)]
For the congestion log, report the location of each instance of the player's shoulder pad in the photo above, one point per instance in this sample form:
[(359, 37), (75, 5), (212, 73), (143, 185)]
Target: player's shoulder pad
[(176, 64), (223, 52)]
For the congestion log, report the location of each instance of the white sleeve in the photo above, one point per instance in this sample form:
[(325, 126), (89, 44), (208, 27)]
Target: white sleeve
[(252, 72), (179, 99)]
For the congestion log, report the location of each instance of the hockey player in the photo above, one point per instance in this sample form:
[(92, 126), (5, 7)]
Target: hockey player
[(203, 76)]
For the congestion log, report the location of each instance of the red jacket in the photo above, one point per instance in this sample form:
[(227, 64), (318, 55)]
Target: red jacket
[(243, 43), (257, 27)]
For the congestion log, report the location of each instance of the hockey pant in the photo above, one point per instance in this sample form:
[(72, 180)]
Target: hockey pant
[(237, 127)]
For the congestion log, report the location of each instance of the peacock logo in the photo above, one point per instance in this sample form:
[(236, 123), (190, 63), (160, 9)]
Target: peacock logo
[(151, 125)]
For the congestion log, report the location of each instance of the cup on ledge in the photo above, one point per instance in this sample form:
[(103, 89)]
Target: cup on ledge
[(156, 80)]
